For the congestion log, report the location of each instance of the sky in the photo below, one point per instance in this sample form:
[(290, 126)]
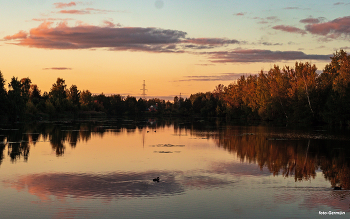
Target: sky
[(182, 46)]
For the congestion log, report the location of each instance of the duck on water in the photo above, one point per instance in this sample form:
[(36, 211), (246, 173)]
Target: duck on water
[(156, 179), (337, 188)]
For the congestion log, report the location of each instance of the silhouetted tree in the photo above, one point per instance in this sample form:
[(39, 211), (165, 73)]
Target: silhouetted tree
[(3, 97), (131, 104), (25, 88), (17, 102), (34, 94), (86, 99), (73, 96), (117, 105)]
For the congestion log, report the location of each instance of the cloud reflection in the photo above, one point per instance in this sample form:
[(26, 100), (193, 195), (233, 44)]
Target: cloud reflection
[(112, 185)]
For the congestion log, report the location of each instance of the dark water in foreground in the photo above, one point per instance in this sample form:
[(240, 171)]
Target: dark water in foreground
[(207, 170)]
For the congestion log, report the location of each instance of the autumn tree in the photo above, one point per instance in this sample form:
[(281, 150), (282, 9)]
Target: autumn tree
[(336, 78)]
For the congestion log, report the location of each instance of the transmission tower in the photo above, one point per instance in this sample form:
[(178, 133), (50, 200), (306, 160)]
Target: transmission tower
[(144, 89)]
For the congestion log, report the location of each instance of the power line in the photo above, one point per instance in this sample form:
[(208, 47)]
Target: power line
[(144, 89)]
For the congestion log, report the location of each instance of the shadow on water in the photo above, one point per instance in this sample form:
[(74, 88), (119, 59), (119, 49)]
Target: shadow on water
[(297, 153)]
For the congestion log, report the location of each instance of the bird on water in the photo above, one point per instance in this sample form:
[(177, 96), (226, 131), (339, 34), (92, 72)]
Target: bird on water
[(156, 179), (337, 188)]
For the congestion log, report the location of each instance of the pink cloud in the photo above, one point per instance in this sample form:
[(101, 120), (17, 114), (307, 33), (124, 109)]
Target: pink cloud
[(82, 36), (51, 19), (114, 37), (20, 35), (240, 14), (332, 29), (289, 29), (110, 24), (311, 20), (87, 11), (100, 10), (65, 5), (207, 43), (256, 55), (210, 41)]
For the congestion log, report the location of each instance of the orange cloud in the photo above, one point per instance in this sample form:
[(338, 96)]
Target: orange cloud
[(57, 68), (20, 35), (74, 12), (65, 5)]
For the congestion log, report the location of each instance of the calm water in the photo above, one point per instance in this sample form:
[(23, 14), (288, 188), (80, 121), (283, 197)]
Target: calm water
[(207, 170)]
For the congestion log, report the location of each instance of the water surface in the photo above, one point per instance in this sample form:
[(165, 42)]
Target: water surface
[(207, 170)]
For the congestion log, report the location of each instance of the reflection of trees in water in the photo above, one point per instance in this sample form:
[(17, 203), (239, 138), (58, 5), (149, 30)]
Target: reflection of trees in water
[(18, 140), (16, 150), (2, 147), (290, 156), (300, 158), (335, 166), (18, 145), (57, 140)]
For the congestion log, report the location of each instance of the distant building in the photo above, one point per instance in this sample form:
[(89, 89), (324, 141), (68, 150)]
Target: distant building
[(153, 108)]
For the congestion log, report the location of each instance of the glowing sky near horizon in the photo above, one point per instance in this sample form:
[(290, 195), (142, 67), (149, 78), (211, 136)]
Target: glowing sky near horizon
[(176, 46)]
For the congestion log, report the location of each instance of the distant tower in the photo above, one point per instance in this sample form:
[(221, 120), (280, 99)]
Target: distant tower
[(144, 89), (180, 101)]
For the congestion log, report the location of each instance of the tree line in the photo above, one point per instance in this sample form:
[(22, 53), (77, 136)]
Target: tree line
[(289, 95), (25, 100)]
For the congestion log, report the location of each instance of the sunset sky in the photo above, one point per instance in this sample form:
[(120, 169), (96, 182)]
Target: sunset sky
[(182, 46)]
